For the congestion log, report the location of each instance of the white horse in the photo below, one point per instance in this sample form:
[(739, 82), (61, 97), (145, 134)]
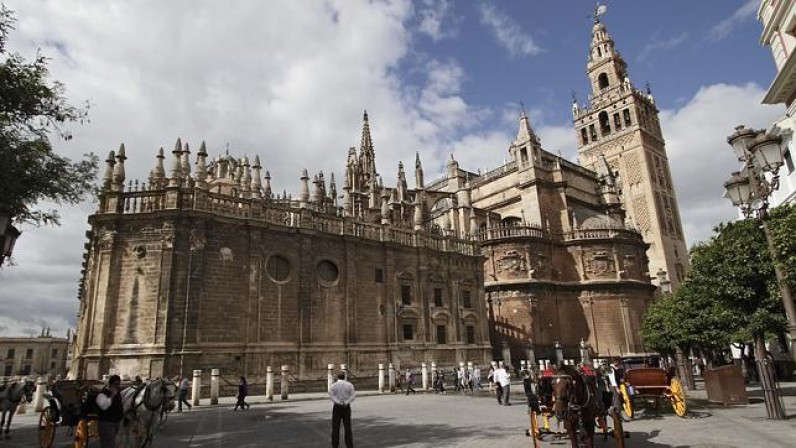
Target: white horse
[(144, 407), (10, 396)]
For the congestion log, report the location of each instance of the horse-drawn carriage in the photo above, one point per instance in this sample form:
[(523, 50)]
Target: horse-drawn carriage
[(70, 405), (650, 383)]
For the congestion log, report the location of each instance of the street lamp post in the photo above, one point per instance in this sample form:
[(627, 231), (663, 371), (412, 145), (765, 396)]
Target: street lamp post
[(749, 189)]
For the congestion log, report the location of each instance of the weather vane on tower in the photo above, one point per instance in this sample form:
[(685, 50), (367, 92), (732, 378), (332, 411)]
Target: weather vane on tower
[(598, 11)]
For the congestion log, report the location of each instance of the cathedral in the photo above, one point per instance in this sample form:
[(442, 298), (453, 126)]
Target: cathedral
[(206, 267)]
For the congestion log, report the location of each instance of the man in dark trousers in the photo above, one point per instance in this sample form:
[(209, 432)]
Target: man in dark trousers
[(111, 412), (243, 391), (342, 395)]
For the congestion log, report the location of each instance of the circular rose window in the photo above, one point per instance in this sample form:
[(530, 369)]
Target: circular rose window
[(327, 271), (278, 268)]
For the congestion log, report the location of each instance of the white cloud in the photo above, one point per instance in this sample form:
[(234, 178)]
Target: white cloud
[(432, 14), (699, 157), (659, 44), (508, 32), (723, 29)]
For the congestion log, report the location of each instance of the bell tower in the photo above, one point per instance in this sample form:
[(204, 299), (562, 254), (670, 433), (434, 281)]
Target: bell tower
[(620, 124)]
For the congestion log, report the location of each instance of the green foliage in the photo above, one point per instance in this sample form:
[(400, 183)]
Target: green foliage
[(782, 224), (731, 294), (32, 108)]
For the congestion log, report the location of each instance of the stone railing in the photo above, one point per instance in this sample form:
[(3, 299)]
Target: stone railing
[(530, 231), (497, 172), (597, 234), (509, 231), (278, 213)]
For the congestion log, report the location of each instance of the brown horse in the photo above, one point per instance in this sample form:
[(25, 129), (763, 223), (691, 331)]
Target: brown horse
[(575, 402)]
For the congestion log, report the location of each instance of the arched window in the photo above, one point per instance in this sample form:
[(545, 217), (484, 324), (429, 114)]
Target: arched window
[(605, 125), (602, 80)]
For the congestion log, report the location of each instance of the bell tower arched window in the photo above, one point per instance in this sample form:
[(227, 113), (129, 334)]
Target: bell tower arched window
[(602, 81), (605, 125)]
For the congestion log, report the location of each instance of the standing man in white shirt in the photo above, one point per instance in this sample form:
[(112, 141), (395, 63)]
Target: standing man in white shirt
[(503, 382), (342, 395)]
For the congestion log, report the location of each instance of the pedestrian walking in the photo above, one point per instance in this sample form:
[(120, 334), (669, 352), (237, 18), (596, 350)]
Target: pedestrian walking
[(185, 385), (111, 412), (477, 377), (503, 384), (399, 382), (243, 391), (490, 376), (439, 385), (410, 380), (457, 376), (342, 395)]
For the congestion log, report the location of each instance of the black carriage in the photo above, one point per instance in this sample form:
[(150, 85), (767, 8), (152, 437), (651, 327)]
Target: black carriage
[(70, 405)]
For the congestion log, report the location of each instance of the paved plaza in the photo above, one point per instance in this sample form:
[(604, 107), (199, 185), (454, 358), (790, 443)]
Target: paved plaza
[(451, 420)]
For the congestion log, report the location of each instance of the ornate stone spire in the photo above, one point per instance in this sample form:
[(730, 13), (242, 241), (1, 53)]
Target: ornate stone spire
[(246, 181), (118, 170), (402, 187), (256, 183), (453, 167), (267, 193), (385, 208), (159, 173), (333, 190), (419, 173), (107, 176), (201, 167), (525, 133), (304, 193), (176, 165), (367, 156), (186, 162), (473, 222)]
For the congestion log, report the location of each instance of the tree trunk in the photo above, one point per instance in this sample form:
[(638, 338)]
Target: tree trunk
[(768, 381), (684, 369)]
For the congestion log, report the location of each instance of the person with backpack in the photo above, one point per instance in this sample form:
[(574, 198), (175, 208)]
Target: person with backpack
[(185, 385), (111, 412)]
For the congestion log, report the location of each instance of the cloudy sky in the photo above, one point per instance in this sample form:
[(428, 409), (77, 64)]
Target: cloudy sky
[(288, 80)]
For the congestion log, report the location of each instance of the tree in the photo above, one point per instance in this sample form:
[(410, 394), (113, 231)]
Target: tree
[(32, 108)]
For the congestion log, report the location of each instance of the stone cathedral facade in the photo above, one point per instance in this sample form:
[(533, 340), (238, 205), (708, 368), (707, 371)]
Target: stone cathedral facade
[(206, 267)]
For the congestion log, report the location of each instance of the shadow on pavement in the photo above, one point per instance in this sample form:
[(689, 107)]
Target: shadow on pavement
[(257, 428)]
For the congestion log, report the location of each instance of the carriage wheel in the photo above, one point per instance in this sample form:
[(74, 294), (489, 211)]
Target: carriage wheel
[(81, 434), (46, 428), (627, 401), (677, 397)]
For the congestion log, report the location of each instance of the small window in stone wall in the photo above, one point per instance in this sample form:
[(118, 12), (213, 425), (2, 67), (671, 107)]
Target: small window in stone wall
[(467, 302), (438, 297), (409, 332), (26, 369), (11, 353), (278, 268), (442, 334), (470, 334), (29, 354), (8, 370), (406, 294), (379, 276), (327, 271), (54, 353)]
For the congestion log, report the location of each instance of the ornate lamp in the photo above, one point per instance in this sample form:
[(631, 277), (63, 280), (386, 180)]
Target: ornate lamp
[(766, 152), (738, 189), (740, 141)]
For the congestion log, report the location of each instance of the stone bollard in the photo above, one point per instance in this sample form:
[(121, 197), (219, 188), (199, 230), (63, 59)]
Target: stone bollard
[(424, 375), (392, 378), (214, 374), (434, 375), (269, 384), (283, 384), (522, 364), (196, 387), (329, 377), (22, 407), (541, 365), (38, 396), (381, 378), (344, 368), (470, 366), (105, 378), (500, 363)]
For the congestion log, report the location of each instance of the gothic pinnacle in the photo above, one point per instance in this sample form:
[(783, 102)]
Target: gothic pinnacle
[(107, 176), (176, 170), (118, 170)]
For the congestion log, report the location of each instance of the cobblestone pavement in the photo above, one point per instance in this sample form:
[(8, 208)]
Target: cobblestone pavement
[(441, 421)]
